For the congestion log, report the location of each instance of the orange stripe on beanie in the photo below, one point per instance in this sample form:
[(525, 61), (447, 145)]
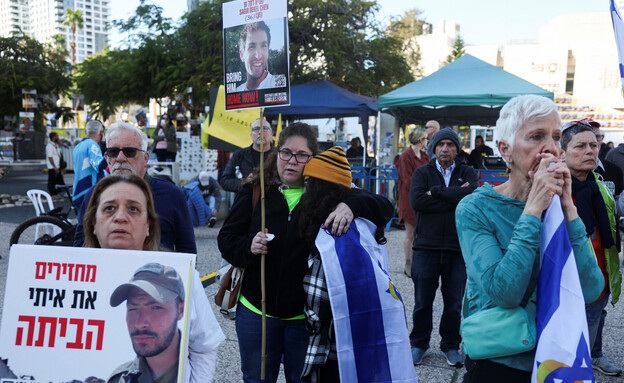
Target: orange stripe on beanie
[(331, 166)]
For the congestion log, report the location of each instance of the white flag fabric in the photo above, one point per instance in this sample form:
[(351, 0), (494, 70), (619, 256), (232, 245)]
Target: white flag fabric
[(369, 316), (562, 353), (618, 29)]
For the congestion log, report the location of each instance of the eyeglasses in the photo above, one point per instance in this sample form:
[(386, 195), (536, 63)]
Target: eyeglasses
[(128, 151), (430, 127), (570, 124), (301, 158), (256, 129)]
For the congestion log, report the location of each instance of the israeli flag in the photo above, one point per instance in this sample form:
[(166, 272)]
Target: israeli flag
[(369, 316), (562, 353), (618, 29)]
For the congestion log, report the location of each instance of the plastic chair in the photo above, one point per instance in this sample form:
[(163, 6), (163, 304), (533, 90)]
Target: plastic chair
[(37, 197)]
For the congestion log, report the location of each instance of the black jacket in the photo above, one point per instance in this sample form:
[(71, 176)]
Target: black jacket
[(435, 214), (247, 159), (287, 260)]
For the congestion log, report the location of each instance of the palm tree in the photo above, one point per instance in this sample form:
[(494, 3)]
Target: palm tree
[(73, 18)]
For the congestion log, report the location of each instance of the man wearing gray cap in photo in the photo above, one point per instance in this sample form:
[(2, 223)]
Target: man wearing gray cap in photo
[(155, 299)]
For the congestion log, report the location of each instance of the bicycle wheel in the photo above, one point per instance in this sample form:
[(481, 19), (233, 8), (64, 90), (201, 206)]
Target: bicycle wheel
[(43, 230)]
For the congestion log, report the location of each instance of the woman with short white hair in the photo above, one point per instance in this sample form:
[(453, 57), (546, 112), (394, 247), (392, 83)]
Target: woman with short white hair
[(499, 231)]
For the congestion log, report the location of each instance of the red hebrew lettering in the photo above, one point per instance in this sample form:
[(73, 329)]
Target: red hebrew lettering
[(67, 269), (40, 270), (20, 331), (77, 344), (100, 334), (43, 322), (80, 270), (91, 269), (63, 330), (58, 269)]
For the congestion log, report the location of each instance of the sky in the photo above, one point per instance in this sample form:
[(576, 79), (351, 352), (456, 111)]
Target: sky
[(482, 22)]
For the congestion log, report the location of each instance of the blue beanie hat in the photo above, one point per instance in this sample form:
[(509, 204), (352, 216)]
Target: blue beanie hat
[(445, 134)]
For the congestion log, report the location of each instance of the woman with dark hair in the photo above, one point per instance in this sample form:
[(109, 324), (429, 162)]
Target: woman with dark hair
[(164, 138), (241, 243), (121, 215), (327, 183), (596, 207), (143, 230)]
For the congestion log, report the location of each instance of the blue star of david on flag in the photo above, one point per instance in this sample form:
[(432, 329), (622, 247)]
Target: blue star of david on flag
[(562, 354)]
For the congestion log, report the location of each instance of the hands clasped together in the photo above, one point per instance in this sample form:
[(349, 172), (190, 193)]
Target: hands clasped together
[(551, 177)]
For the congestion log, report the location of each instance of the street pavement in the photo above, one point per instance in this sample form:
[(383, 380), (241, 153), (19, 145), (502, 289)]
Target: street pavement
[(434, 368)]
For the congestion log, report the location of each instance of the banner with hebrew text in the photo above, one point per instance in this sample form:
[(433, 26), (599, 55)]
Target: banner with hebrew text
[(58, 324)]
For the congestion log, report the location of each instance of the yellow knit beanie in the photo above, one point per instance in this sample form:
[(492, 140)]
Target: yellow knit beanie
[(331, 166)]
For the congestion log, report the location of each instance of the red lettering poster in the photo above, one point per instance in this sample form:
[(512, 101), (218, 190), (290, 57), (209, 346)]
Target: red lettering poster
[(255, 54), (77, 314)]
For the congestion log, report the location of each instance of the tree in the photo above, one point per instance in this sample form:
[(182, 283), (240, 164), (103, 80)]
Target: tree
[(341, 41), (26, 63), (458, 50), (73, 18), (406, 28), (337, 40)]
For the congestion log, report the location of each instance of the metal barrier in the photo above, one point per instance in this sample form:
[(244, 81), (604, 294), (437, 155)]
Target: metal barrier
[(378, 180), (494, 176)]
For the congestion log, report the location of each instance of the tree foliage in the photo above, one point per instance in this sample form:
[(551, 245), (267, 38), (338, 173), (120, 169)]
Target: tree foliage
[(458, 50), (26, 63), (406, 28), (73, 19), (338, 40), (341, 41)]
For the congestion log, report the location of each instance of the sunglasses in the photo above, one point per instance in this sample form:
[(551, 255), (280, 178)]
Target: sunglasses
[(128, 151), (571, 124)]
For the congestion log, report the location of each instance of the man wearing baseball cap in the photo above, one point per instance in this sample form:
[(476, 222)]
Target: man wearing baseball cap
[(155, 298)]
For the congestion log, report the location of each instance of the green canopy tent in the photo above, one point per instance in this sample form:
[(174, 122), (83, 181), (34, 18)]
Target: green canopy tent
[(467, 91)]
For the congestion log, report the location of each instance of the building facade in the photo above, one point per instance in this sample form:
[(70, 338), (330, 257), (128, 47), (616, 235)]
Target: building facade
[(43, 19)]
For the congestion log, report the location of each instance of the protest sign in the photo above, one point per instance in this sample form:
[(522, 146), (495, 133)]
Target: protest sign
[(58, 324), (26, 121), (255, 54)]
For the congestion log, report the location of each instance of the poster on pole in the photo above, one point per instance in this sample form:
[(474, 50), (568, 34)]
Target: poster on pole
[(78, 314), (29, 99), (256, 54), (26, 121)]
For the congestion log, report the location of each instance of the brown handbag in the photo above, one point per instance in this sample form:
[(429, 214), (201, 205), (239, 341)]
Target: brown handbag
[(229, 291), (231, 277)]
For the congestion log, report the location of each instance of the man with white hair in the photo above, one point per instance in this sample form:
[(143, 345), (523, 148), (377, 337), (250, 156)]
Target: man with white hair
[(126, 153), (89, 163)]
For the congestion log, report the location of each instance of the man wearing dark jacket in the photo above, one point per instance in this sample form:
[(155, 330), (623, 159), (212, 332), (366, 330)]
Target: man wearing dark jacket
[(245, 160), (435, 191)]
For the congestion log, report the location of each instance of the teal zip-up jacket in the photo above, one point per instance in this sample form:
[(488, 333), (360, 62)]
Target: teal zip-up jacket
[(500, 246)]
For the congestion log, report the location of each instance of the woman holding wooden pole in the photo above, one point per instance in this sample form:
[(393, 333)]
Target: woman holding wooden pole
[(242, 243)]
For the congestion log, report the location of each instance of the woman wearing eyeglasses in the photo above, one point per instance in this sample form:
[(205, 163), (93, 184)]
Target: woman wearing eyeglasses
[(596, 208), (164, 138), (241, 243)]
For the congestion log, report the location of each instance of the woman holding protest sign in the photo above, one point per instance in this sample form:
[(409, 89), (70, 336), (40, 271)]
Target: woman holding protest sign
[(499, 233), (121, 215), (241, 243)]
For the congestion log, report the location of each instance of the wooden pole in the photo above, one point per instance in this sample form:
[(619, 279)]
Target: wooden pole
[(263, 257)]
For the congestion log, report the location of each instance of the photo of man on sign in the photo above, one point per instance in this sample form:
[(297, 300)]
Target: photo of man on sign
[(154, 299), (255, 56), (253, 48)]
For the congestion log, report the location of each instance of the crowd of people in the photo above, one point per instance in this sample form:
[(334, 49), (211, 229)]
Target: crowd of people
[(481, 243)]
